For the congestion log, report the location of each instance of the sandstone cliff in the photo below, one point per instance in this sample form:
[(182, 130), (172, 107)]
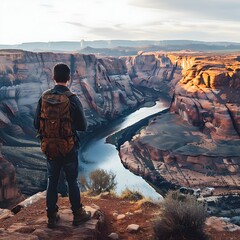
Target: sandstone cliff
[(154, 70), (208, 95), (198, 143), (107, 88)]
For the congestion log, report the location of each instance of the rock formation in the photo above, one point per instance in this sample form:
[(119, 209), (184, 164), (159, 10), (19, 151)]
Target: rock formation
[(9, 194), (208, 96), (153, 70)]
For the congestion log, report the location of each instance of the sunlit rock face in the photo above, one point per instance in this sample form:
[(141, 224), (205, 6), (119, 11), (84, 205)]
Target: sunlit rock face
[(197, 144), (107, 88), (208, 96), (154, 70)]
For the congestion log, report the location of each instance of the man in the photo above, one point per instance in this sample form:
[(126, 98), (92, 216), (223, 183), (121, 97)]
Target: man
[(69, 161)]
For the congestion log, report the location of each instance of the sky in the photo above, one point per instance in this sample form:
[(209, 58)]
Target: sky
[(76, 20)]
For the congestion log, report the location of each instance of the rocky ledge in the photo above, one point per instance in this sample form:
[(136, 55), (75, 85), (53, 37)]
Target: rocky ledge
[(112, 218), (36, 229)]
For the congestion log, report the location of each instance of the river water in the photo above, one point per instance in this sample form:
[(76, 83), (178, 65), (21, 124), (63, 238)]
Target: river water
[(98, 154)]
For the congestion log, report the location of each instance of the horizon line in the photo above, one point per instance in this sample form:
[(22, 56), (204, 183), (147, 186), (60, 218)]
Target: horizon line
[(112, 40)]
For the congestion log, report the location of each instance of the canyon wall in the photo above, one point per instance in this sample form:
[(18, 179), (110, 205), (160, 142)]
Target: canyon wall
[(197, 144), (208, 96), (107, 87)]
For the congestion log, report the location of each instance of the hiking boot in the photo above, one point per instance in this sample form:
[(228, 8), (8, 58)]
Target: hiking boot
[(52, 219), (80, 216)]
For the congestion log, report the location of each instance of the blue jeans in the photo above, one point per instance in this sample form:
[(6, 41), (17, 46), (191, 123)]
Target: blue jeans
[(70, 167)]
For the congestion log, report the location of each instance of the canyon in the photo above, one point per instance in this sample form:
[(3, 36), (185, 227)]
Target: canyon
[(195, 144)]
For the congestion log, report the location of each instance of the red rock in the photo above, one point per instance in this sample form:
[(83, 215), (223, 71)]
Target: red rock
[(9, 194)]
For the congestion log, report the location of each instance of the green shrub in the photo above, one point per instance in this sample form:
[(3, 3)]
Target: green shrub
[(130, 195), (182, 218), (99, 181)]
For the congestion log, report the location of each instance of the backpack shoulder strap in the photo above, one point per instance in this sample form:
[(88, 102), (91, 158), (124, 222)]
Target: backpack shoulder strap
[(49, 91), (69, 94), (66, 93)]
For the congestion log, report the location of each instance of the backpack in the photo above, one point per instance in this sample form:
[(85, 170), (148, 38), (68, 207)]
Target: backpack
[(57, 136)]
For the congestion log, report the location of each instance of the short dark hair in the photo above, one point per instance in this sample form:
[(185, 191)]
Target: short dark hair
[(61, 72)]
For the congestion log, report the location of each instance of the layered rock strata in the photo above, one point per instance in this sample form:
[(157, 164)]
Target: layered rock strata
[(208, 96), (107, 88), (9, 194), (197, 144)]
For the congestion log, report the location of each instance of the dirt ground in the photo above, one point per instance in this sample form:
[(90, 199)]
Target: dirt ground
[(141, 213)]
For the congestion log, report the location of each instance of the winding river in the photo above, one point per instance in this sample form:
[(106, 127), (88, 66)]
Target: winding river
[(98, 154)]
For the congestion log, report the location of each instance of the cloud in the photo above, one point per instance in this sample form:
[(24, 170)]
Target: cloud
[(210, 20), (116, 32), (46, 5), (211, 9), (77, 24), (164, 29), (169, 29)]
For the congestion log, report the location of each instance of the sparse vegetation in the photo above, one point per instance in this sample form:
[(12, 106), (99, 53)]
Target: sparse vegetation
[(182, 218), (131, 195), (99, 181)]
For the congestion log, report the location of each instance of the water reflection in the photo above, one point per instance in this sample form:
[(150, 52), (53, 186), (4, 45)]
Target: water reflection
[(142, 113), (99, 154)]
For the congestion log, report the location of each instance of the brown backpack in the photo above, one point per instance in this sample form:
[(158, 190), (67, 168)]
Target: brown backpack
[(57, 137)]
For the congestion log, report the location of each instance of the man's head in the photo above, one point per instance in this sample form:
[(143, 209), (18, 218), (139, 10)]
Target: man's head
[(61, 73)]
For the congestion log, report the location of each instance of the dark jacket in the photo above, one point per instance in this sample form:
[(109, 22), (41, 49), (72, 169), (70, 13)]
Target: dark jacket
[(76, 111)]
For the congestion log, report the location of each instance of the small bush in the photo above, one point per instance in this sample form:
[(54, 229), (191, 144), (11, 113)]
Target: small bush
[(182, 218), (130, 195), (99, 181)]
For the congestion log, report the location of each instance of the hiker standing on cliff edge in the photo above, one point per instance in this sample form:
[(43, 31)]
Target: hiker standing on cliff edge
[(58, 116)]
